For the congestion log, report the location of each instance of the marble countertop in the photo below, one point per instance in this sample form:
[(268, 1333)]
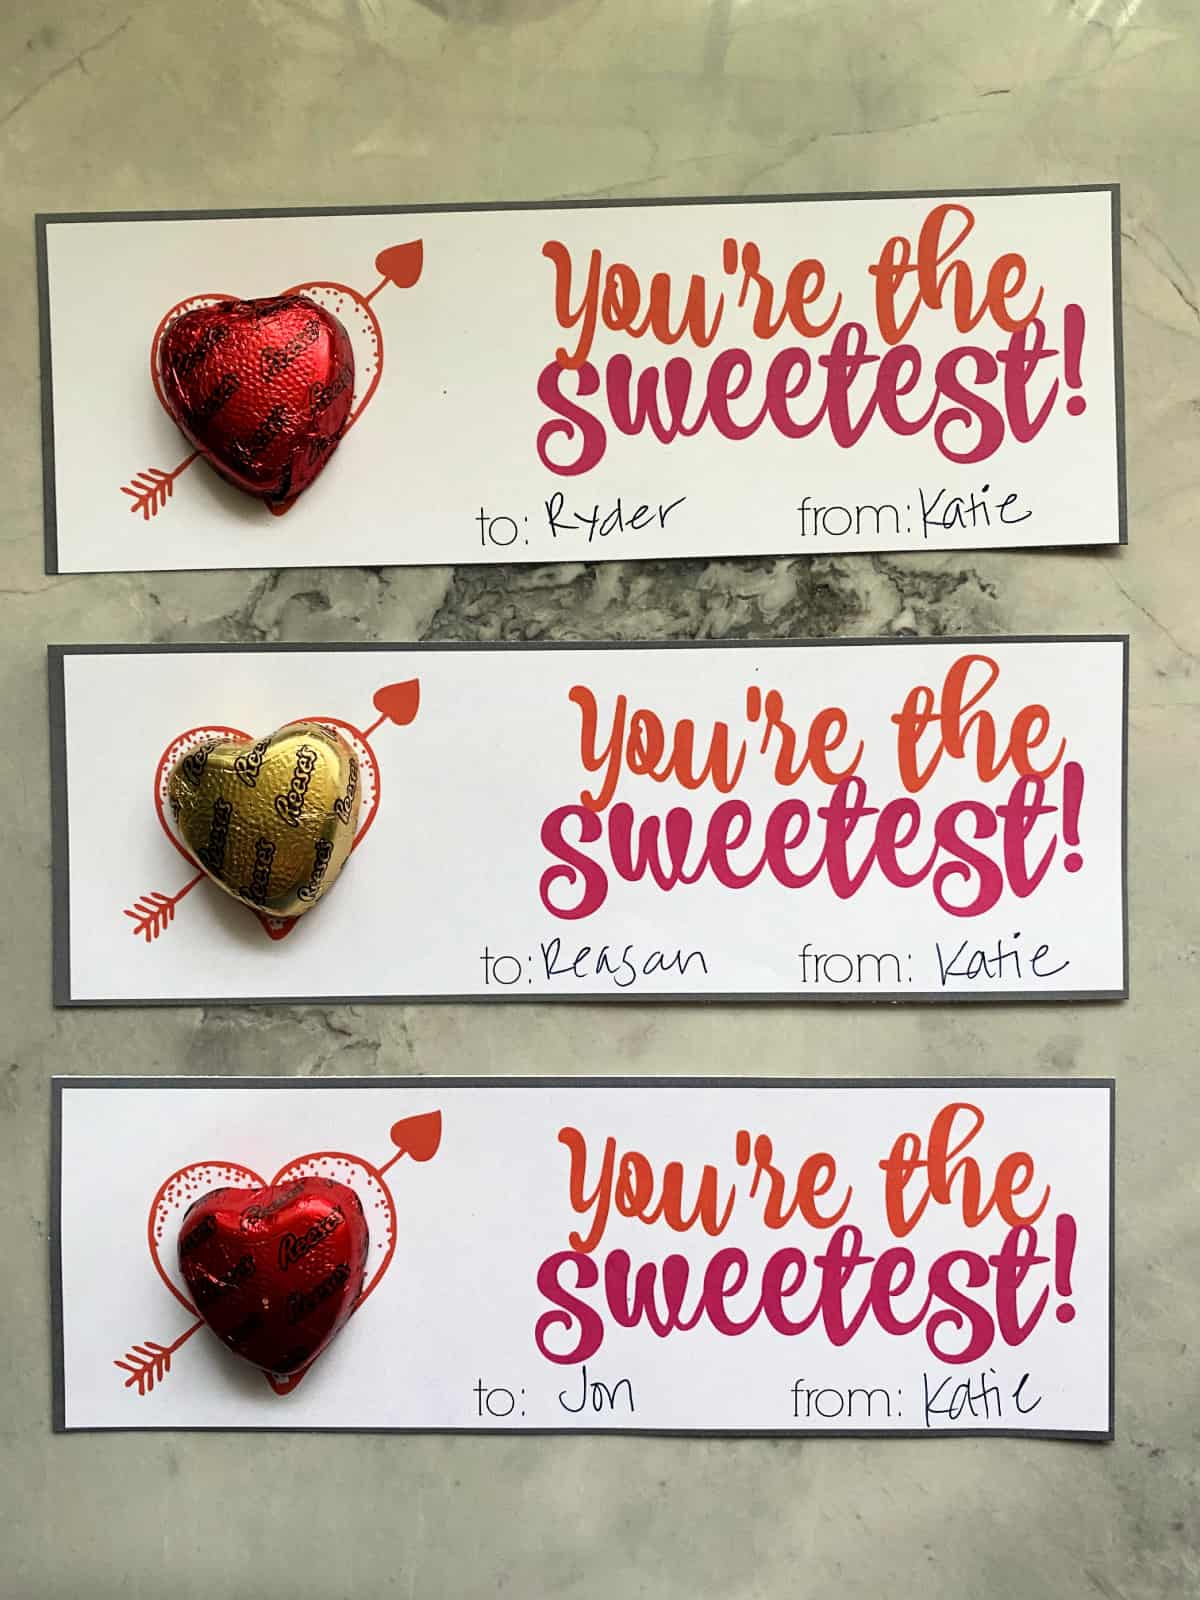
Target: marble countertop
[(108, 104)]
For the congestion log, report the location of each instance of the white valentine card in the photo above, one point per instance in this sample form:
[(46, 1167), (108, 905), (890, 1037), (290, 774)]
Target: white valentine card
[(904, 820), (617, 380), (700, 1256)]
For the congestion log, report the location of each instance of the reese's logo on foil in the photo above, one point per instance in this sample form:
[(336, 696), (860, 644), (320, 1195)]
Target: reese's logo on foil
[(212, 853), (322, 851), (290, 805), (302, 1304), (193, 764), (260, 874), (248, 765), (294, 1247), (274, 359), (343, 807)]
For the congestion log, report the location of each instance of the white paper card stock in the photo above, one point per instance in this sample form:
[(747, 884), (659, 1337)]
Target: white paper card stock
[(906, 820), (658, 379), (703, 1256)]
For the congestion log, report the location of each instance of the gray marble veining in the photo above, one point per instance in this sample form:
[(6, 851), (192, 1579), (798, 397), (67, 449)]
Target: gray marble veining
[(113, 103)]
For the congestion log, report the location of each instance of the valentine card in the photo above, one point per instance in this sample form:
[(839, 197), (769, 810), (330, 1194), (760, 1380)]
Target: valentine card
[(555, 1255), (551, 382), (906, 820)]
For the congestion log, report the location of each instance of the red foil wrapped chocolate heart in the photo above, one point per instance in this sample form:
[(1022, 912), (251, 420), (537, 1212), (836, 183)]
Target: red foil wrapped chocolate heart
[(275, 1272), (261, 388)]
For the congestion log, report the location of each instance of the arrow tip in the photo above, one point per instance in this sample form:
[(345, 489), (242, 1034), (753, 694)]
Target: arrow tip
[(401, 264), (399, 702), (418, 1137)]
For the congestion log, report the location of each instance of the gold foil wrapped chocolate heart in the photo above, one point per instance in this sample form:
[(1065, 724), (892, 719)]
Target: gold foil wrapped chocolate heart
[(270, 820)]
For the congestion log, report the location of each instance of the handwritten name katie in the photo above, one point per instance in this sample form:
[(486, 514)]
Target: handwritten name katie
[(967, 852), (959, 1301), (1005, 382)]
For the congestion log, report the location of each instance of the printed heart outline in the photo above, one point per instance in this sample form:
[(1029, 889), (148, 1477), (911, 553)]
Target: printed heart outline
[(238, 1176), (195, 301), (273, 927)]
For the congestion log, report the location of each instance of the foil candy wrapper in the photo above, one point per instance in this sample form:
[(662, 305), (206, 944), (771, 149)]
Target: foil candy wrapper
[(271, 821), (275, 1272), (261, 388)]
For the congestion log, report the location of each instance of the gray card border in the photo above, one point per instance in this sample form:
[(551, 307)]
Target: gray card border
[(46, 219), (60, 825), (436, 1085)]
